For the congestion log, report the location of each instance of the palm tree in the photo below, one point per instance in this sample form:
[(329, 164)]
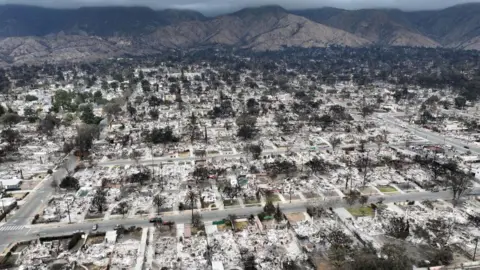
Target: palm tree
[(192, 127), (191, 199)]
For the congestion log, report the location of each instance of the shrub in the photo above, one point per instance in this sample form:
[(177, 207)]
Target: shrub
[(31, 98), (35, 219)]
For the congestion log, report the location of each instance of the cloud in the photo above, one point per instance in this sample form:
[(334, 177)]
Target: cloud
[(216, 6)]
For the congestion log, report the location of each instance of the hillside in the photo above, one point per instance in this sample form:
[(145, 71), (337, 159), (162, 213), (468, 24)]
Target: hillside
[(456, 27), (98, 21), (267, 28), (31, 34)]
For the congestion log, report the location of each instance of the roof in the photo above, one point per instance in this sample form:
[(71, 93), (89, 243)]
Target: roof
[(111, 236), (217, 265), (11, 182)]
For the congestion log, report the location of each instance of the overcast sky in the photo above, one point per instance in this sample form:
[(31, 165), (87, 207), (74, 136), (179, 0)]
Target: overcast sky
[(218, 6)]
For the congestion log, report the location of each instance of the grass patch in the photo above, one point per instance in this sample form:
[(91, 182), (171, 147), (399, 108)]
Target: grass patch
[(95, 240), (224, 227), (241, 225), (387, 189), (94, 216), (274, 198), (230, 202), (19, 196), (184, 154), (311, 195), (251, 201), (195, 230), (368, 190), (363, 211)]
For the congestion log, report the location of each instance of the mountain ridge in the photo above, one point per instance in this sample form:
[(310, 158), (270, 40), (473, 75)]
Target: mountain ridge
[(31, 34)]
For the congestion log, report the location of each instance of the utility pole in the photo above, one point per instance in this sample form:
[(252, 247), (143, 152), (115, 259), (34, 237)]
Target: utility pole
[(68, 211), (475, 251), (206, 135), (290, 193), (161, 175), (3, 208)]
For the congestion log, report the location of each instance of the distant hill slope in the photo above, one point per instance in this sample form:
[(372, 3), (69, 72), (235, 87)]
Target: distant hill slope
[(99, 21), (457, 27), (32, 34), (266, 28)]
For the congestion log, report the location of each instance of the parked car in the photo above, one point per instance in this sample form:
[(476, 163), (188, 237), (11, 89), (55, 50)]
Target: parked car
[(156, 220)]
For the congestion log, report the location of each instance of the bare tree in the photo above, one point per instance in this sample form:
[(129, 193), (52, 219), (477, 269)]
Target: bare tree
[(348, 176), (363, 199), (441, 230), (459, 182), (364, 165), (254, 149), (351, 198), (334, 142), (159, 201), (398, 227)]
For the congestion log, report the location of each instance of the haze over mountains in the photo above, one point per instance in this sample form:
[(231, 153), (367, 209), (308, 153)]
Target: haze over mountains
[(31, 34)]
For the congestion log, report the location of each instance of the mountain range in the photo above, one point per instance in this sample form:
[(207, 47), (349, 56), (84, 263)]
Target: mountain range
[(30, 34)]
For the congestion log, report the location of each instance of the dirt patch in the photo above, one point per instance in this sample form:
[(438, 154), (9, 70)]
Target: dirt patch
[(29, 184)]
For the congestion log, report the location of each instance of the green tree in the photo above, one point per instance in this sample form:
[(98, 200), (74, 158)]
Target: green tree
[(63, 99), (31, 98), (278, 214), (341, 246), (88, 117), (70, 182), (30, 114), (98, 97), (12, 137), (159, 201), (48, 124), (10, 119), (269, 208), (85, 136), (105, 85), (112, 109), (99, 200), (123, 208)]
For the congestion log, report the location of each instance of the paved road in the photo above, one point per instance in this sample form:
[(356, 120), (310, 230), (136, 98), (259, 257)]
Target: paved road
[(172, 159), (33, 231), (39, 195), (431, 136)]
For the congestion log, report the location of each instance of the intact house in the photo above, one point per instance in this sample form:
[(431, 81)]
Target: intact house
[(12, 184)]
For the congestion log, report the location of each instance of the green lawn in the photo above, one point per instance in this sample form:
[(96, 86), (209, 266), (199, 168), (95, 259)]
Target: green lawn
[(273, 198), (361, 211), (230, 202), (241, 225), (387, 189), (250, 202), (368, 190)]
